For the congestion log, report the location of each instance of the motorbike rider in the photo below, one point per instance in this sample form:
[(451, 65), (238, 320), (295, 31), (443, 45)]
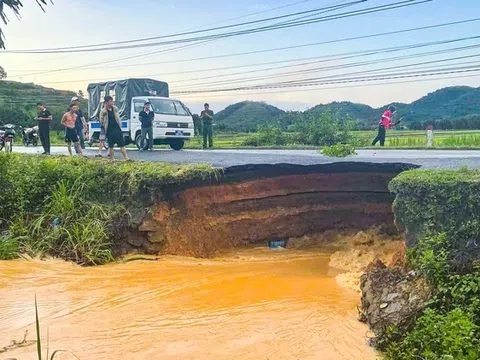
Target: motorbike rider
[(30, 135)]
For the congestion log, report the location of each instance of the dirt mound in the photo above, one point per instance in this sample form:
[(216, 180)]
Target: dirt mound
[(391, 297)]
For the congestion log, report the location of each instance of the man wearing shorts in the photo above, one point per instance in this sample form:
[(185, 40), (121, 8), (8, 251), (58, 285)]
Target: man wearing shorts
[(110, 120), (71, 135)]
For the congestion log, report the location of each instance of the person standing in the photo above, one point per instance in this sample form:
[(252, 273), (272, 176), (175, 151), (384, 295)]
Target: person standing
[(69, 120), (207, 119), (384, 124), (146, 118), (44, 118), (110, 120), (81, 123)]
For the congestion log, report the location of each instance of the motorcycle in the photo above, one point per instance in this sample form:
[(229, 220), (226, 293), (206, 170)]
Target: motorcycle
[(30, 136), (7, 134)]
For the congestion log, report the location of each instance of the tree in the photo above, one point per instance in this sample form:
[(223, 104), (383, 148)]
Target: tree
[(15, 6), (80, 93), (3, 73)]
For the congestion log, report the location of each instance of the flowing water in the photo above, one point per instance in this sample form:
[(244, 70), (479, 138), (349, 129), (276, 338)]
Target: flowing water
[(248, 304)]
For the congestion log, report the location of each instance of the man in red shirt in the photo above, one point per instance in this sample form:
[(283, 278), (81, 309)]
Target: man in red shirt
[(384, 124)]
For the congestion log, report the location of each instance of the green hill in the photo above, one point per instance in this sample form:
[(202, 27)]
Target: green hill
[(357, 111), (246, 116), (18, 102), (456, 107)]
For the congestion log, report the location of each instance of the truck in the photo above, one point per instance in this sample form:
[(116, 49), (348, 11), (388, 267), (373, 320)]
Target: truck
[(173, 124)]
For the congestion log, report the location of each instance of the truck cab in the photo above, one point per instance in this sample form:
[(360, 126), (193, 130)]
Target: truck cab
[(173, 123)]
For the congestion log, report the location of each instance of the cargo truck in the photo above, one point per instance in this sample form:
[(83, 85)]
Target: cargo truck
[(173, 124)]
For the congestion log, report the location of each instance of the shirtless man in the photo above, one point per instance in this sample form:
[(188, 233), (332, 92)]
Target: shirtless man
[(71, 135)]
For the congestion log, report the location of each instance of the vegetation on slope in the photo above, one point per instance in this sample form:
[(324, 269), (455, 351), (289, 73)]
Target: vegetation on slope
[(455, 107), (246, 116), (70, 207), (18, 103), (441, 213)]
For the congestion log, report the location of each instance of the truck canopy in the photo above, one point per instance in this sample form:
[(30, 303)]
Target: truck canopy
[(122, 92)]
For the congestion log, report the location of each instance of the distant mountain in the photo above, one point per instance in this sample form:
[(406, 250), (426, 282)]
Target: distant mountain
[(356, 111), (18, 102), (12, 92), (446, 103), (246, 116), (451, 105)]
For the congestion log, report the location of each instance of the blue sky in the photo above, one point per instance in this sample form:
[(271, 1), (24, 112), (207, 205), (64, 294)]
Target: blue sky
[(70, 23)]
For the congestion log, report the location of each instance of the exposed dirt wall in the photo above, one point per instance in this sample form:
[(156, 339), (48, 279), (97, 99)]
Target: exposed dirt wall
[(258, 204)]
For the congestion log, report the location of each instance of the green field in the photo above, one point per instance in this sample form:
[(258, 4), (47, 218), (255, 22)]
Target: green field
[(396, 139)]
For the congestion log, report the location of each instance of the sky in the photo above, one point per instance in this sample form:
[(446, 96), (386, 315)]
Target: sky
[(72, 23)]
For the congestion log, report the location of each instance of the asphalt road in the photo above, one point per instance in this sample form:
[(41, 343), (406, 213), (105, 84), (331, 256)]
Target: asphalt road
[(434, 159)]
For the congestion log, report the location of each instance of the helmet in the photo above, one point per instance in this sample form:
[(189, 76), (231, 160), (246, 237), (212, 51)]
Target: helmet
[(392, 108)]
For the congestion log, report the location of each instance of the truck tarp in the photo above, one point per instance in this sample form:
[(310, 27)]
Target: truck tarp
[(123, 91)]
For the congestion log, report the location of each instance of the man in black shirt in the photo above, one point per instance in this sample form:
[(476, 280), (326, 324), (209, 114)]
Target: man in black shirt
[(146, 118), (44, 118), (207, 118)]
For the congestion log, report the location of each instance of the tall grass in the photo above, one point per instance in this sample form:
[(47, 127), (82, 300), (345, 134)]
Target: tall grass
[(76, 217), (70, 227), (39, 340)]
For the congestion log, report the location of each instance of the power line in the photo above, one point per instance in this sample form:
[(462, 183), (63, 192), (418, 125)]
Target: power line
[(87, 66), (376, 9), (432, 72), (345, 87), (327, 58), (338, 67), (429, 27), (195, 31)]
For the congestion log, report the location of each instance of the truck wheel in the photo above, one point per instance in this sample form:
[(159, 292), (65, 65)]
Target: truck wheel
[(177, 144), (138, 141)]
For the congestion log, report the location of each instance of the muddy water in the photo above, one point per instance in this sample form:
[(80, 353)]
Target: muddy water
[(251, 304)]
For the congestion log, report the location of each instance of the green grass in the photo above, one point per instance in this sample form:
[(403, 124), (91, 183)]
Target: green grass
[(71, 207), (396, 139)]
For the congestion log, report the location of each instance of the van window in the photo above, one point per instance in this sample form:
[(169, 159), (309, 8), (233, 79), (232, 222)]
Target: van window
[(168, 107), (180, 109), (164, 107), (138, 105)]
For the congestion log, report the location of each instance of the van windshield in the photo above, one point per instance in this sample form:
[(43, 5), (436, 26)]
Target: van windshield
[(168, 107)]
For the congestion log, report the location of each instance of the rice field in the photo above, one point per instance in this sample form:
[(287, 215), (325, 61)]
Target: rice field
[(399, 139)]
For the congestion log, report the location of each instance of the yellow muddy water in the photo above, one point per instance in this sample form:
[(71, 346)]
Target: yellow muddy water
[(248, 304)]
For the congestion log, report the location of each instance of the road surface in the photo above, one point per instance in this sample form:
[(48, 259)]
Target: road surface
[(433, 159)]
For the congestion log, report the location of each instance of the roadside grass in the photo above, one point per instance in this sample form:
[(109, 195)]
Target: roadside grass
[(396, 139), (71, 208)]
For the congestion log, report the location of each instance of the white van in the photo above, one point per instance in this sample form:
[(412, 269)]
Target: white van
[(173, 124)]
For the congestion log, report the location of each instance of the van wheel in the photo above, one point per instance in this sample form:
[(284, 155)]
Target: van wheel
[(138, 141), (177, 144)]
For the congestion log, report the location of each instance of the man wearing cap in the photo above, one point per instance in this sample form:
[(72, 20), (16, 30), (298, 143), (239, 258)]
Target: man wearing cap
[(80, 123), (207, 119)]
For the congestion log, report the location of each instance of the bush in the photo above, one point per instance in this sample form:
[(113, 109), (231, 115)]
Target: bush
[(339, 150), (324, 129), (434, 202), (440, 211), (267, 136), (67, 207), (439, 336)]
